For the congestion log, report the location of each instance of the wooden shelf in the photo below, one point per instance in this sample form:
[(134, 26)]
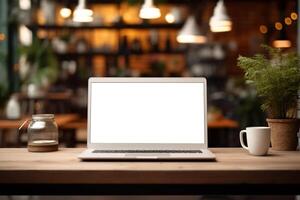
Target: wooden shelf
[(112, 27), (75, 2), (223, 123), (60, 119), (210, 60), (101, 53), (217, 124)]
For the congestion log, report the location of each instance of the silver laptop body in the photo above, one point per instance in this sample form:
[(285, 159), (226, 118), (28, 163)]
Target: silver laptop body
[(147, 119)]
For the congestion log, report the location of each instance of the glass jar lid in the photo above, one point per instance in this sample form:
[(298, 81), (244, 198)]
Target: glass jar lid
[(43, 117)]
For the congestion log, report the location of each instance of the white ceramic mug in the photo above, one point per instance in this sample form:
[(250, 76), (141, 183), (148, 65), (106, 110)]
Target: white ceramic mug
[(258, 140)]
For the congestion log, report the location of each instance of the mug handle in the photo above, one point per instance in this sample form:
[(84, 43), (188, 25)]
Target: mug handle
[(242, 140)]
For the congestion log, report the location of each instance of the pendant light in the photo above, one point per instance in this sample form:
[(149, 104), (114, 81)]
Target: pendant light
[(24, 4), (190, 32), (220, 21), (149, 11), (282, 41), (81, 13), (65, 12)]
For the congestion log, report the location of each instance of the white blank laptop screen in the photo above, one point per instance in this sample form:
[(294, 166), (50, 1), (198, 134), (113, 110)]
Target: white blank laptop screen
[(147, 113)]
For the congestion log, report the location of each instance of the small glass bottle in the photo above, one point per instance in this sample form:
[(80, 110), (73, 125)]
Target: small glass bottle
[(42, 133)]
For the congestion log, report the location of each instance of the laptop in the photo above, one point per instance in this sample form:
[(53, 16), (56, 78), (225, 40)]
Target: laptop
[(147, 119)]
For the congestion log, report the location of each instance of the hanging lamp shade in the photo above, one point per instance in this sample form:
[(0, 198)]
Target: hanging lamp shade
[(81, 13), (149, 11), (190, 32), (220, 21), (282, 40)]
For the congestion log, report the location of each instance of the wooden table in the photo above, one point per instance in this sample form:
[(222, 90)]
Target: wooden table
[(235, 171)]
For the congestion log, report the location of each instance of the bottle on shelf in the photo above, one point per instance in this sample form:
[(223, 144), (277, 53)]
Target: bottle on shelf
[(123, 46), (154, 41), (136, 46), (111, 66), (168, 44), (13, 109), (123, 69), (82, 45)]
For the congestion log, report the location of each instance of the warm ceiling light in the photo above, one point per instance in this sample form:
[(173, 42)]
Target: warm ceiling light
[(190, 32), (65, 12), (24, 4), (294, 16), (149, 11), (170, 18), (173, 16), (282, 41), (81, 13), (220, 21), (288, 21), (278, 26), (263, 29)]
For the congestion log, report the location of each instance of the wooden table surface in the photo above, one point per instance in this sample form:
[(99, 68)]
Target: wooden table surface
[(233, 166), (60, 119)]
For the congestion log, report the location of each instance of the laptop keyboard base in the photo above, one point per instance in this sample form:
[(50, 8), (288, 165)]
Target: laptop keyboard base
[(147, 151)]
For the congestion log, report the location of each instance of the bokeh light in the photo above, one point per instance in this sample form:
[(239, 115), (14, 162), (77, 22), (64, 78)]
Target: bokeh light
[(2, 36), (278, 26), (263, 29), (294, 16)]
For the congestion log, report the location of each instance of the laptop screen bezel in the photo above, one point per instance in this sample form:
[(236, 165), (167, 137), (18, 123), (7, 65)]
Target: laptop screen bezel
[(146, 146)]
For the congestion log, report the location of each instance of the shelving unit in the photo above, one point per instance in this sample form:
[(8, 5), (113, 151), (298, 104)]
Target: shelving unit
[(72, 55), (98, 59), (113, 26)]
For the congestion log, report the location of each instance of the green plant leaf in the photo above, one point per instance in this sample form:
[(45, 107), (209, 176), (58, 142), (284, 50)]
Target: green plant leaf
[(276, 80)]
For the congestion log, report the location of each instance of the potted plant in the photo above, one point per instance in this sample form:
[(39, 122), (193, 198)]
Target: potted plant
[(38, 67), (277, 80)]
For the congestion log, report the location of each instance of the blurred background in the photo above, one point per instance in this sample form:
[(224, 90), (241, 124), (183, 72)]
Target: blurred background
[(49, 49)]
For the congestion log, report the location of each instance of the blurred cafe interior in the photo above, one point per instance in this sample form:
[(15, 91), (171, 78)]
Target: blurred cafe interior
[(49, 49)]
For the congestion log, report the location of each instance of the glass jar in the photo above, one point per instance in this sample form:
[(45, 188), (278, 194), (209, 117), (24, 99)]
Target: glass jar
[(42, 133)]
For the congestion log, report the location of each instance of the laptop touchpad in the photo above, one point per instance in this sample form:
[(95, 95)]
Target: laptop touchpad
[(147, 155)]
